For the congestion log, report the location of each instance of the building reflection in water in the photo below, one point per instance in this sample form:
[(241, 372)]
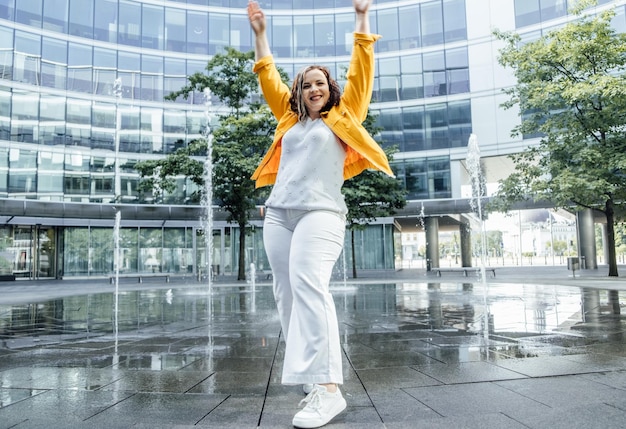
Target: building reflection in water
[(420, 311)]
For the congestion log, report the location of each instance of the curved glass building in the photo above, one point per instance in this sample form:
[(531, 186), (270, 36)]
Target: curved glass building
[(82, 87)]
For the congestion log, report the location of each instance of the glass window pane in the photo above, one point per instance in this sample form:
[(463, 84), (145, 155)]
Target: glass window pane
[(150, 250), (104, 70), (454, 20), (102, 178), (24, 118), (27, 44), (50, 173), (439, 177), (415, 178), (413, 125), (551, 9), (344, 24), (27, 59), (76, 242), (240, 34), (391, 122), (79, 70), (128, 71), (78, 127), (129, 129), (174, 251), (28, 12), (197, 33), (130, 23), (303, 36), (22, 172), (436, 121), (409, 18), (526, 12), (81, 18), (324, 35), (174, 121), (174, 128), (6, 53), (619, 21), (282, 43), (55, 13), (105, 22), (54, 63), (432, 23), (175, 29), (101, 251), (388, 20), (389, 79), (457, 67), (151, 140), (7, 9), (151, 78), (460, 122), (52, 121), (175, 77), (152, 27), (412, 80), (219, 33), (5, 117), (129, 240), (103, 116), (434, 74)]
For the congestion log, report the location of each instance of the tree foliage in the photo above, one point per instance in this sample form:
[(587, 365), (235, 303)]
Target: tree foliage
[(571, 90)]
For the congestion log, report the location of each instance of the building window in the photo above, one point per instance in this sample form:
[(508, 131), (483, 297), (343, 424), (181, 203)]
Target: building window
[(454, 21), (431, 19), (105, 20), (409, 27)]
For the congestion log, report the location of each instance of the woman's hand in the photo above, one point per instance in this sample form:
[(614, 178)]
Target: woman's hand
[(361, 6), (256, 17)]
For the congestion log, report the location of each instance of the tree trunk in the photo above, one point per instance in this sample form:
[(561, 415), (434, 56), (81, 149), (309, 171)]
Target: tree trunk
[(241, 274), (353, 253), (610, 237)]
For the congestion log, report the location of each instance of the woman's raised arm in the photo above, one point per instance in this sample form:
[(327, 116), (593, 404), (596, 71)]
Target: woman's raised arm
[(258, 24), (361, 8)]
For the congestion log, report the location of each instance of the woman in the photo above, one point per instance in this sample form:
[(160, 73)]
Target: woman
[(319, 142)]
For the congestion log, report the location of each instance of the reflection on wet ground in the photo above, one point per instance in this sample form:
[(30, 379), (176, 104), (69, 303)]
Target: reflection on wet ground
[(180, 356)]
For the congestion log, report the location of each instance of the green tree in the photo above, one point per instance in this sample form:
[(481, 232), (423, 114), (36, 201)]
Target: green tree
[(371, 194), (571, 89), (241, 137)]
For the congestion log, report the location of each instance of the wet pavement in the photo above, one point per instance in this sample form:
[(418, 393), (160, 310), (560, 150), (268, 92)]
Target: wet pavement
[(533, 347)]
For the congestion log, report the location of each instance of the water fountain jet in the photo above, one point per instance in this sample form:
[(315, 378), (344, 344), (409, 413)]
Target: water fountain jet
[(478, 192)]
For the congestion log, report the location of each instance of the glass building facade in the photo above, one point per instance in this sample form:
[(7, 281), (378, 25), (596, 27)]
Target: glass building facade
[(82, 87)]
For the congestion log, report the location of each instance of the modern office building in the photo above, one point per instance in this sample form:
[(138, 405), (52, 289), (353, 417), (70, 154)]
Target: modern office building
[(82, 86)]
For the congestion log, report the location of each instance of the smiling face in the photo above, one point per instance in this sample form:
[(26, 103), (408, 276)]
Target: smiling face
[(315, 92)]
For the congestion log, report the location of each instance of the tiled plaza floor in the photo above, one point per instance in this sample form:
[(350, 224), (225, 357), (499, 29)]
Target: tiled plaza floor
[(530, 348)]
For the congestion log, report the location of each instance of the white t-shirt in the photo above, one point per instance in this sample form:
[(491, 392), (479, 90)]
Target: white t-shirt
[(310, 174)]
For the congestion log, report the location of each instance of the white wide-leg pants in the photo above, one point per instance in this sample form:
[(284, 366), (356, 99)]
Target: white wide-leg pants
[(302, 248)]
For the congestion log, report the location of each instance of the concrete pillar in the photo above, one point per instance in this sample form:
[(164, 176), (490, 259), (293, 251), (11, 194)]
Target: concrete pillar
[(465, 233), (605, 243), (586, 239), (431, 228)]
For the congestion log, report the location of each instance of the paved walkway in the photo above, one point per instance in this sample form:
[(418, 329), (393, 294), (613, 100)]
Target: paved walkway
[(533, 347)]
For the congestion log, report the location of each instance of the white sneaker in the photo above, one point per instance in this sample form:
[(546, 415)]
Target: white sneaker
[(321, 407), (307, 388)]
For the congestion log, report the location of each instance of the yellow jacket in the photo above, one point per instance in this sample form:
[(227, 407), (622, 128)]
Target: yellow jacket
[(344, 120)]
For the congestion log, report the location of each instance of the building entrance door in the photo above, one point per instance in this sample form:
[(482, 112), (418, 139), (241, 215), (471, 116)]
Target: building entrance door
[(34, 252)]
